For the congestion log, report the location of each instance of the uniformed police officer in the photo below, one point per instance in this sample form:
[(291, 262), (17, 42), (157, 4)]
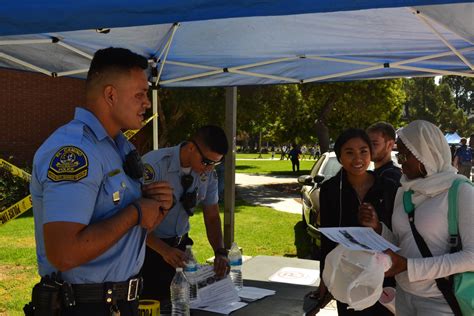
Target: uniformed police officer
[(91, 220), (188, 167)]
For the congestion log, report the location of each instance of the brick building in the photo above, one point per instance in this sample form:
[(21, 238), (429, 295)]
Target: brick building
[(32, 106)]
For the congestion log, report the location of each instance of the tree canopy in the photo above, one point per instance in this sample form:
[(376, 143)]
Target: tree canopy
[(317, 113)]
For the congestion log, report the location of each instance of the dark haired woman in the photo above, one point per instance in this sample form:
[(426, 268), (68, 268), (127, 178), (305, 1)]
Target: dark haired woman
[(427, 171), (353, 188)]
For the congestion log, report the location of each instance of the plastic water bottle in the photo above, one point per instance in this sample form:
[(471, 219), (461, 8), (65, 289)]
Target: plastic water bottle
[(190, 271), (235, 258), (179, 294)]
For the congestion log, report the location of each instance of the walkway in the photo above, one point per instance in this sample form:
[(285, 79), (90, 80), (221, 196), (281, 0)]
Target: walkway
[(251, 188)]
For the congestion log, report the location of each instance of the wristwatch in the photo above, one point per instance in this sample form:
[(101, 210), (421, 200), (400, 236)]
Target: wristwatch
[(221, 251)]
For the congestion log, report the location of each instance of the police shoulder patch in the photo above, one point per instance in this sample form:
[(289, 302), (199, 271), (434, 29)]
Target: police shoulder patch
[(69, 163), (149, 173)]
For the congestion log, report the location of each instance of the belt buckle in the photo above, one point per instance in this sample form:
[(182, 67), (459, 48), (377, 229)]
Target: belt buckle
[(133, 286)]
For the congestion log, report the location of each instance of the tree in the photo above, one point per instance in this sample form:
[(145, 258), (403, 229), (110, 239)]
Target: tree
[(337, 106), (434, 103), (463, 90), (182, 111)]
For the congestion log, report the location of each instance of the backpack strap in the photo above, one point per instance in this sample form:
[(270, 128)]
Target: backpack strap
[(453, 220), (444, 285)]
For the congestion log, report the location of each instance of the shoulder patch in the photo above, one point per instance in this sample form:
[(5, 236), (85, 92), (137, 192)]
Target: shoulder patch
[(69, 163), (149, 173)]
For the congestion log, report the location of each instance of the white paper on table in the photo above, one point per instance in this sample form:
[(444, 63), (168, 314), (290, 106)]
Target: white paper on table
[(217, 294), (295, 276), (358, 238), (250, 293), (224, 309)]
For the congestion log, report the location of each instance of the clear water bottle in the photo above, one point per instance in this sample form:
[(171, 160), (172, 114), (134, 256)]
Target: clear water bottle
[(235, 258), (179, 294), (190, 271)]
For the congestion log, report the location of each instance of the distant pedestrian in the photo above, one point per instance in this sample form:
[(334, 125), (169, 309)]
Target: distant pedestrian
[(294, 155), (272, 150), (463, 159), (303, 152)]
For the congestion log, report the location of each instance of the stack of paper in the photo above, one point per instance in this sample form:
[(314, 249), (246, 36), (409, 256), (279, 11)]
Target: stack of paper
[(220, 296)]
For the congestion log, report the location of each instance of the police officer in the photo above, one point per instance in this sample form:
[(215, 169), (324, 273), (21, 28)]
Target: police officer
[(189, 169), (90, 217)]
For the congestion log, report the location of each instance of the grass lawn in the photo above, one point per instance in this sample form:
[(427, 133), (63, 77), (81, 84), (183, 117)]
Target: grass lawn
[(275, 236), (18, 271), (272, 167)]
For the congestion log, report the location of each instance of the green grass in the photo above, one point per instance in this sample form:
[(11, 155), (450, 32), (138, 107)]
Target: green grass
[(272, 167), (258, 230), (18, 269)]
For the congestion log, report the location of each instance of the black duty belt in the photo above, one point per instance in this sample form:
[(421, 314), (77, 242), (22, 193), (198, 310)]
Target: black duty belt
[(109, 292), (175, 241)]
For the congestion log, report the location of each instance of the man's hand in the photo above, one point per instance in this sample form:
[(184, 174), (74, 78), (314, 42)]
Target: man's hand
[(368, 217), (399, 263), (174, 257), (161, 192), (221, 265), (152, 214)]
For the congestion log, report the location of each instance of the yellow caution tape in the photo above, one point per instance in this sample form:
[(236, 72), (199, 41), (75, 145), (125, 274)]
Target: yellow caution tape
[(131, 132), (149, 308), (14, 170), (25, 204), (15, 210)]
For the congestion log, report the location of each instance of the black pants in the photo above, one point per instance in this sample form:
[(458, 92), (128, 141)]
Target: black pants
[(101, 309), (157, 274), (295, 164)]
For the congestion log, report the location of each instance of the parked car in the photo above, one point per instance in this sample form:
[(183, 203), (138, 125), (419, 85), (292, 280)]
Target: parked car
[(324, 168)]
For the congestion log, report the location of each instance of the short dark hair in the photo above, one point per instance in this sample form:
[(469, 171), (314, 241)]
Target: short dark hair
[(349, 134), (114, 59), (387, 130), (213, 137)]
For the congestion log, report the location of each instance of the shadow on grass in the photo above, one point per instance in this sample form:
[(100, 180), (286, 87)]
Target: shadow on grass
[(245, 167), (305, 246), (289, 173)]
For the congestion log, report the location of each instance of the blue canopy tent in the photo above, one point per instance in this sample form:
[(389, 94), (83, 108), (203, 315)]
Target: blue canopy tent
[(243, 42), (452, 138)]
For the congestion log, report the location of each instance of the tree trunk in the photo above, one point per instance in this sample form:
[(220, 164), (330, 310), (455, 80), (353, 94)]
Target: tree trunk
[(322, 131)]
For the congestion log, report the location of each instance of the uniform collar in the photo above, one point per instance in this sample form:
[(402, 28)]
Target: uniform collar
[(175, 163), (88, 118)]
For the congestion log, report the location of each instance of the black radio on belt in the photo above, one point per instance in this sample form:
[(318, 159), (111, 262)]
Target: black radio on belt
[(133, 165)]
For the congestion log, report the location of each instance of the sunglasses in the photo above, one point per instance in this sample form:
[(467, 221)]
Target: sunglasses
[(204, 160), (401, 158)]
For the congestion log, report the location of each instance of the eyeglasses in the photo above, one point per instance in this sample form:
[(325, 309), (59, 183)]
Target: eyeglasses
[(204, 160), (401, 158)]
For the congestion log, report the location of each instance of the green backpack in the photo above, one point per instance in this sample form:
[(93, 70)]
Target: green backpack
[(463, 283)]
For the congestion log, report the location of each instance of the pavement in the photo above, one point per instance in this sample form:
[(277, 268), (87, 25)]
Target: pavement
[(251, 188)]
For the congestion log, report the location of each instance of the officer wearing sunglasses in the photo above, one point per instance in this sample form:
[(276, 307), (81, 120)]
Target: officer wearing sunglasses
[(189, 169)]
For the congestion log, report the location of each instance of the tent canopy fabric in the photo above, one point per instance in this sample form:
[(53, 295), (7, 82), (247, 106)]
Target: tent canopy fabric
[(452, 138), (233, 43)]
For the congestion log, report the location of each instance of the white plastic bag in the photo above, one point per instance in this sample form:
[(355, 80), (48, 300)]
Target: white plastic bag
[(355, 277)]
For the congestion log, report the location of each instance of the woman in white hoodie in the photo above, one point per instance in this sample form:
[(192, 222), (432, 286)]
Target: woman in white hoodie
[(427, 171)]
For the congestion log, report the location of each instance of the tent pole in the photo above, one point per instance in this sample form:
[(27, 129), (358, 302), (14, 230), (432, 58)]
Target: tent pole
[(424, 19), (154, 100), (229, 176)]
